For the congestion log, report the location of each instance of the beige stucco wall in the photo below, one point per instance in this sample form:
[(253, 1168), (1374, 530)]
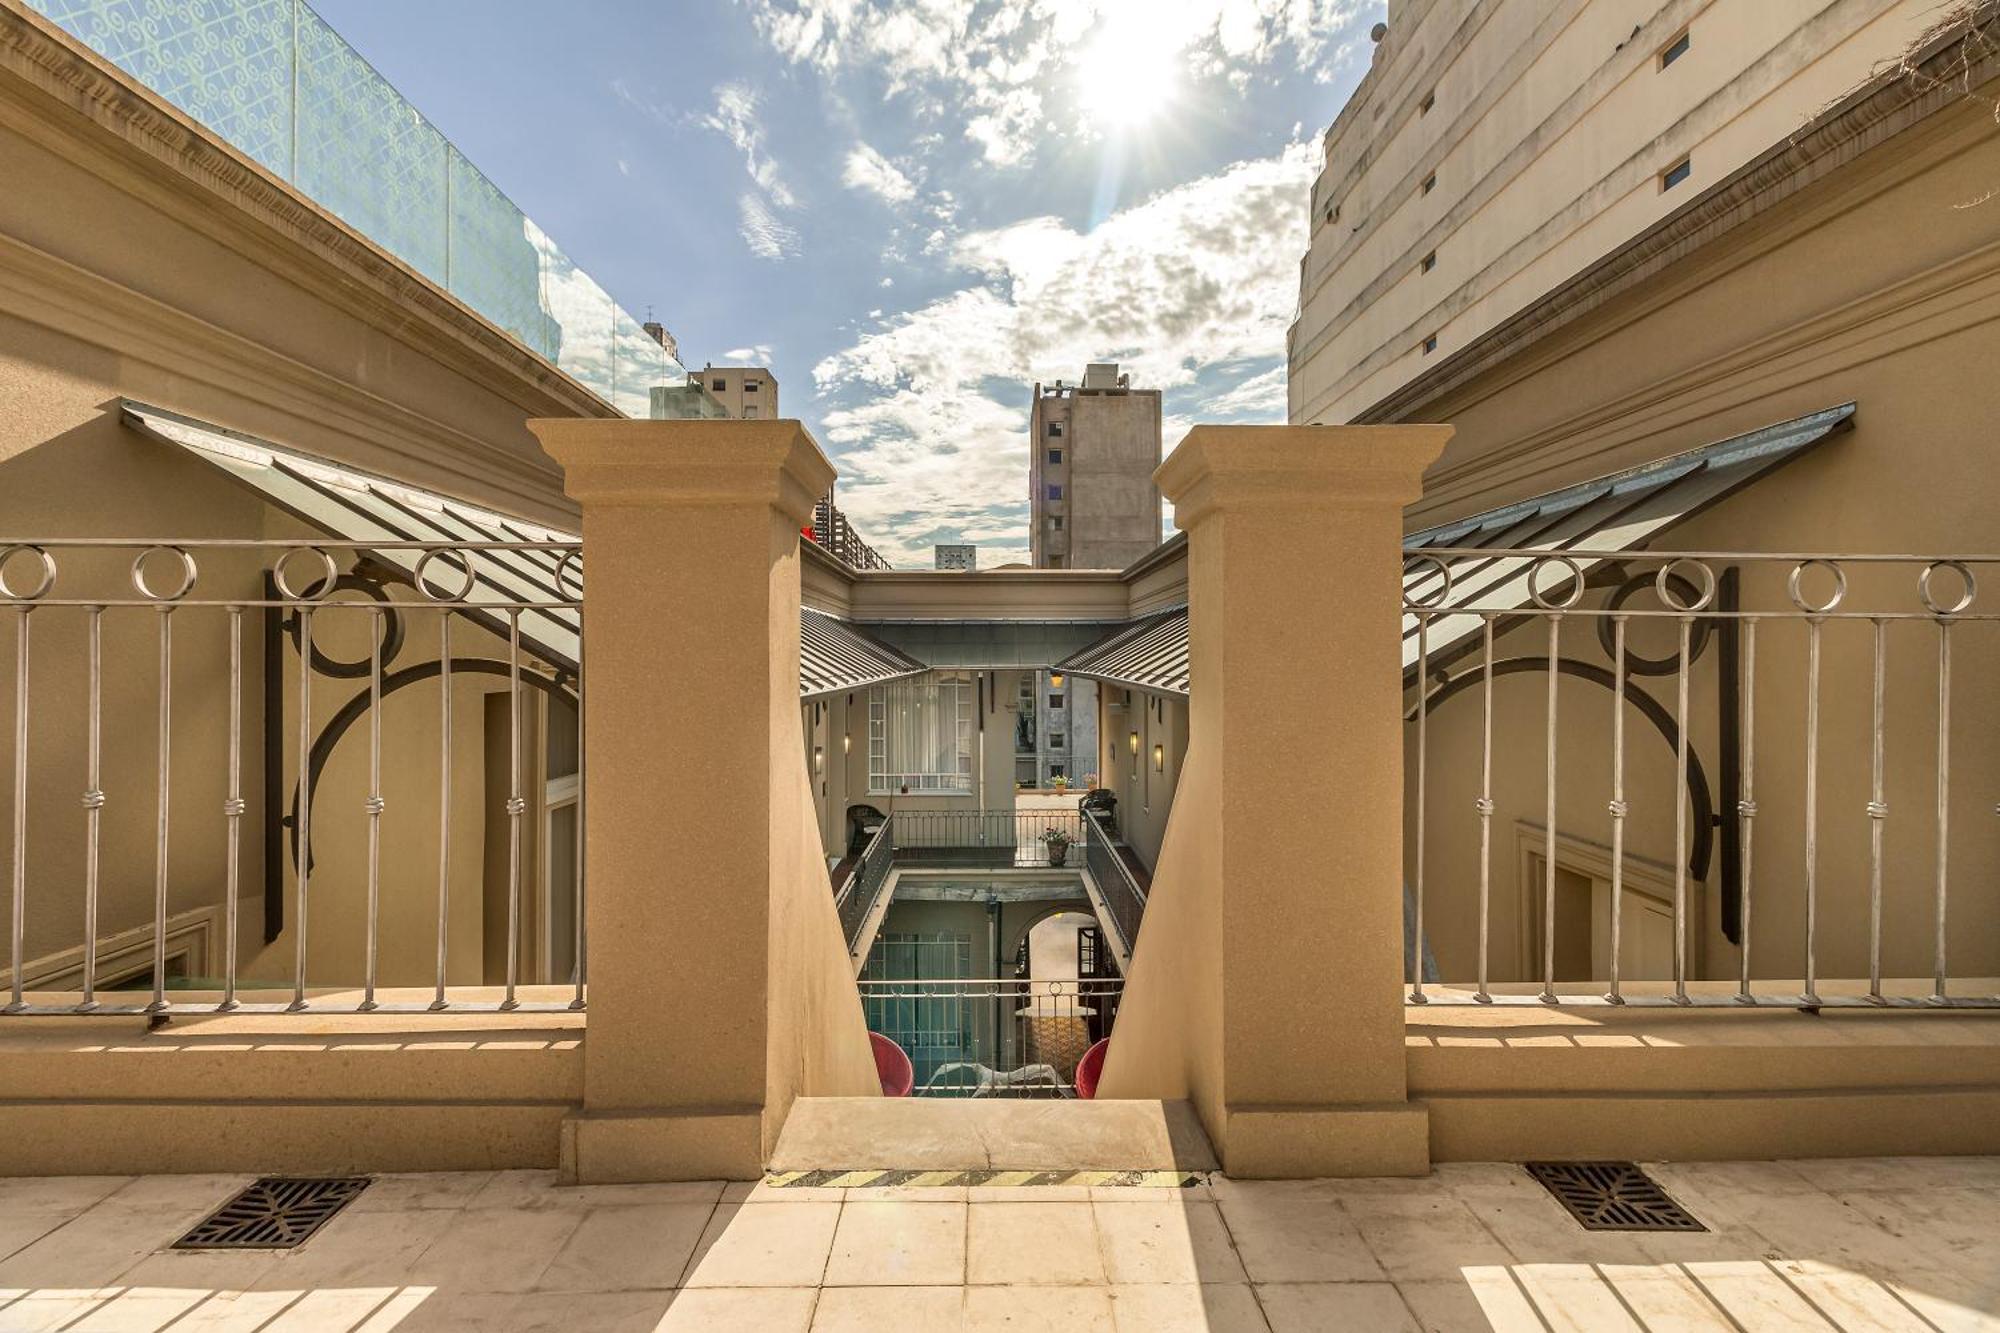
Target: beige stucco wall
[(1879, 287), (1145, 793), (1550, 127)]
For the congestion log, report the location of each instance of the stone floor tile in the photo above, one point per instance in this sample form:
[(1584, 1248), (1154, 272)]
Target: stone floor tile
[(1851, 1300), (1023, 1309), (1165, 1242), (1482, 1300), (1664, 1298), (210, 1270), (764, 1245), (645, 1247), (236, 1311), (1186, 1307), (1534, 1228), (543, 1189), (94, 1248), (1756, 1296), (1952, 1308), (20, 1230), (1195, 1193), (415, 1310), (898, 1244), (1956, 1227), (1309, 1307), (1284, 1238), (136, 1309), (1047, 1244), (873, 1309), (740, 1310), (420, 1189), (493, 1250), (67, 1195), (518, 1189), (1899, 1174), (357, 1250), (1418, 1239), (47, 1308), (756, 1191), (199, 1195), (1028, 1193), (1575, 1298)]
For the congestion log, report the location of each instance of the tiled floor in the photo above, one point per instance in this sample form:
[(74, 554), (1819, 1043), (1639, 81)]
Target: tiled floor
[(1903, 1244)]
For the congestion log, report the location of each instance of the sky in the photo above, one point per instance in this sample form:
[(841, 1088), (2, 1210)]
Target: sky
[(912, 210)]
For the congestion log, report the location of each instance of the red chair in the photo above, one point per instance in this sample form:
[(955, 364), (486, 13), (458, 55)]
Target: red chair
[(892, 1066), (1090, 1068)]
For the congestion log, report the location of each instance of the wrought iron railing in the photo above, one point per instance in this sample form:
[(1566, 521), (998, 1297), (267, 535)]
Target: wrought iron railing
[(187, 703), (994, 839), (856, 898), (985, 1038), (838, 538), (1752, 817), (1124, 897)]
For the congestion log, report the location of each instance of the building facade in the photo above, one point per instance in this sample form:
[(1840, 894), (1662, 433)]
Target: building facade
[(959, 555), (745, 392), (1092, 450), (1495, 151)]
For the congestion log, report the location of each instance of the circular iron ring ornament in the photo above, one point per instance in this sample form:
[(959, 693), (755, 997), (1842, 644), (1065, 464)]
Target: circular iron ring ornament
[(144, 586), (8, 592), (1797, 593), (1542, 598), (1969, 590), (569, 574), (1412, 567), (329, 578), (392, 632), (438, 592), (1638, 664), (1668, 579)]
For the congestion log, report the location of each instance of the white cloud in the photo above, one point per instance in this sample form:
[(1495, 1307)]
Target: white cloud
[(767, 237), (757, 354), (870, 171), (930, 422), (1258, 398), (735, 119)]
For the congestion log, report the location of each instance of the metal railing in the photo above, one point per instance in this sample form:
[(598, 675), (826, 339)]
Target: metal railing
[(834, 534), (1124, 897), (178, 693), (856, 898), (1814, 685), (986, 1038), (993, 839)]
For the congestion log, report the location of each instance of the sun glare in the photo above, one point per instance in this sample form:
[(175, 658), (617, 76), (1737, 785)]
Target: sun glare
[(1125, 80)]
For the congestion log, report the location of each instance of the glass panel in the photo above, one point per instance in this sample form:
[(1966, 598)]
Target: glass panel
[(495, 267)]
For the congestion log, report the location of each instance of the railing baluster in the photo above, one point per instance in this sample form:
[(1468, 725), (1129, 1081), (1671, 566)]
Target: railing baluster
[(1681, 815), (438, 1000), (1423, 719), (1940, 977), (1813, 627), (18, 924), (232, 811), (93, 808), (373, 806), (1878, 811), (1618, 807), (1746, 806), (581, 967), (302, 827), (166, 750), (1484, 806), (516, 807), (1549, 833)]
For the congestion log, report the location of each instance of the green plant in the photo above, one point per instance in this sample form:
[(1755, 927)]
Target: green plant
[(1056, 839)]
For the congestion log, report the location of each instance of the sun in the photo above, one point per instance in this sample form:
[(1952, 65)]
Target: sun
[(1125, 79)]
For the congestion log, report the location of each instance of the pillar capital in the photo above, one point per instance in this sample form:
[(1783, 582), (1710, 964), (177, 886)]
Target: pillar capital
[(625, 464), (1297, 468)]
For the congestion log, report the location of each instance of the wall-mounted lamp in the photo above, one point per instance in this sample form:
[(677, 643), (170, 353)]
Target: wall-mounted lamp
[(1159, 758), (846, 743), (1135, 742), (1055, 680), (819, 759)]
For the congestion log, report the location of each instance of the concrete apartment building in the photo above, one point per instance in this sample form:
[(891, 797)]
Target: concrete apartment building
[(1093, 446), (746, 393)]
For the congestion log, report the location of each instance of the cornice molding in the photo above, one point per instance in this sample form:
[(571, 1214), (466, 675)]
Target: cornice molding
[(78, 104)]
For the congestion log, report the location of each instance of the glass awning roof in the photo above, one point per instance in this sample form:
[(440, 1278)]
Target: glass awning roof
[(1591, 522), (354, 507)]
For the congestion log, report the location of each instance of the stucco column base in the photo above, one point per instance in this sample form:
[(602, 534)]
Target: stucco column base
[(617, 1148), (1312, 1142)]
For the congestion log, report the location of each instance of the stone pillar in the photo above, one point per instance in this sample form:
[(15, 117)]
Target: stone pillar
[(1267, 985), (719, 984)]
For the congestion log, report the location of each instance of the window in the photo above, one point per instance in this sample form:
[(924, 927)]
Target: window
[(1055, 430), (920, 735), (1674, 50), (1430, 100), (751, 386), (1332, 214), (1056, 740), (1430, 344), (1055, 491), (718, 385), (749, 414), (1055, 458), (1055, 522), (1430, 182), (1676, 173), (1055, 701), (1428, 262)]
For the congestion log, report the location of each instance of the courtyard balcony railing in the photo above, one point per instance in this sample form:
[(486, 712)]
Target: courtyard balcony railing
[(1124, 896), (1011, 1037), (990, 839), (1701, 778), (281, 776)]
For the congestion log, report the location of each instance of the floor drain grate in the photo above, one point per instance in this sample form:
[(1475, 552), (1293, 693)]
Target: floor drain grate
[(275, 1213), (1613, 1196)]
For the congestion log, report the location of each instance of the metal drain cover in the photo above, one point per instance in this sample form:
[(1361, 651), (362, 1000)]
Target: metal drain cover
[(274, 1213), (1612, 1196)]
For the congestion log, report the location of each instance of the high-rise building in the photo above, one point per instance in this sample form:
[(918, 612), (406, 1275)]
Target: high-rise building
[(1495, 152), (1091, 453), (745, 392), (962, 555)]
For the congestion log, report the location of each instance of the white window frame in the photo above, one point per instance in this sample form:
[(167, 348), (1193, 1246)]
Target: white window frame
[(950, 690)]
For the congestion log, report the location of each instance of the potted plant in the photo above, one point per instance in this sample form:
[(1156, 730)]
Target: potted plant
[(1058, 843), (1060, 782)]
